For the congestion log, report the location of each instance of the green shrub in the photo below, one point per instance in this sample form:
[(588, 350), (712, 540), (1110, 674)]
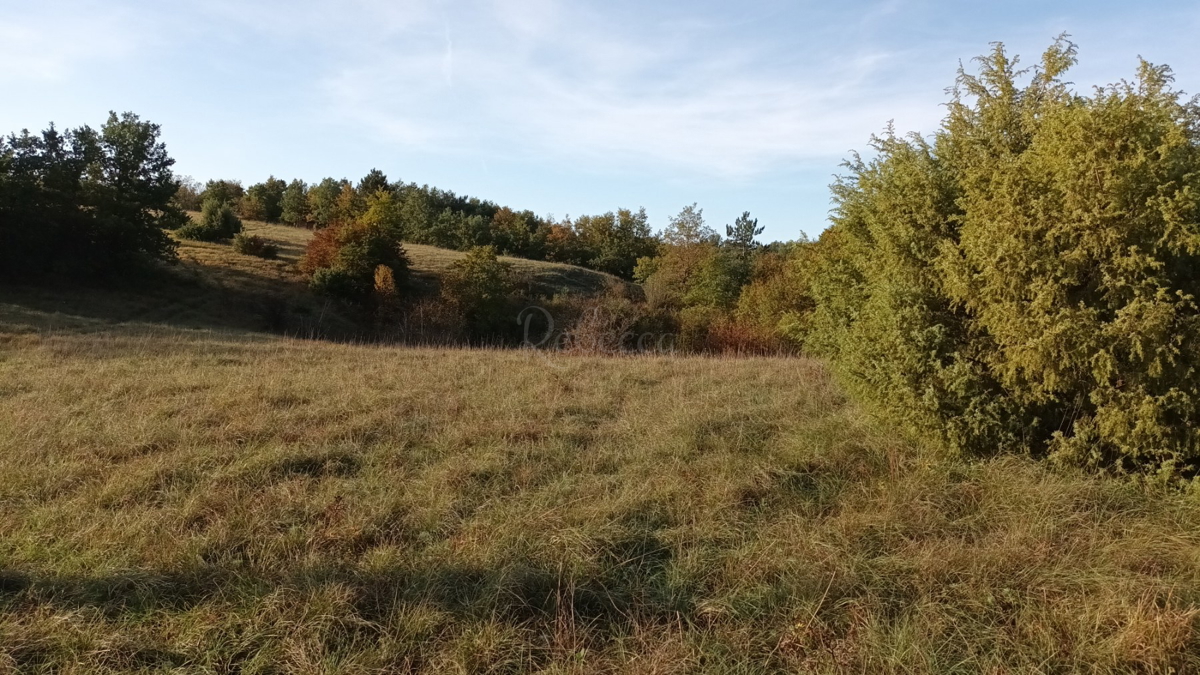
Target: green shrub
[(717, 280), (480, 287), (365, 248), (337, 283), (695, 325), (218, 222), (1026, 279), (293, 205), (251, 244)]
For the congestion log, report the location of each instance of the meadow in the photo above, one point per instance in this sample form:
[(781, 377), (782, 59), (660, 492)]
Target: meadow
[(218, 501), (240, 447)]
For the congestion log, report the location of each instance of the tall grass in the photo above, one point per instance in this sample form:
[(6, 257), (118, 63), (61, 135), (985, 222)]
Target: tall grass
[(212, 502)]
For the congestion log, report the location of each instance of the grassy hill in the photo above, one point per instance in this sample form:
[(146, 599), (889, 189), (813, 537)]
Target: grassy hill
[(213, 287), (429, 263), (215, 502), (210, 286)]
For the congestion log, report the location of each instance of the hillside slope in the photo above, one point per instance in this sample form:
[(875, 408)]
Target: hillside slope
[(194, 501), (214, 287), (210, 286), (429, 263)]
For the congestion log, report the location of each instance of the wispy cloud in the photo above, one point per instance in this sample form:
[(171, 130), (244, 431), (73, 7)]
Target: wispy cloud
[(448, 58), (40, 44), (577, 100), (562, 79)]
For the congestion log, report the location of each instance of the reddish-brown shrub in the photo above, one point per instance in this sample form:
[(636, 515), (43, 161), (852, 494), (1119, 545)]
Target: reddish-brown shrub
[(322, 249), (727, 336)]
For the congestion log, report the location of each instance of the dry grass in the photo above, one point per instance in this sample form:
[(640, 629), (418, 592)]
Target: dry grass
[(291, 240), (194, 501), (432, 262)]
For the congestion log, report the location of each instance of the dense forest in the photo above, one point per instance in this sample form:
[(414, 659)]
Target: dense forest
[(1023, 279)]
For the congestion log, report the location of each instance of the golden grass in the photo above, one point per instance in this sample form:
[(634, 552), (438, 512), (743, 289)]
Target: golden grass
[(212, 502), (433, 262)]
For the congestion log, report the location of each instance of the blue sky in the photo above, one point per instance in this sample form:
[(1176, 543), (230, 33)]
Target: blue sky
[(565, 107)]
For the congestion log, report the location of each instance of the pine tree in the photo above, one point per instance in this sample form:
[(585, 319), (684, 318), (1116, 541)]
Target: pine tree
[(373, 182), (293, 206), (742, 235)]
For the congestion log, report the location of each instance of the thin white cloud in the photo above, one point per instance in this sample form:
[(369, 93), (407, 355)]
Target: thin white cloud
[(348, 22), (558, 79), (448, 59), (593, 82), (38, 44)]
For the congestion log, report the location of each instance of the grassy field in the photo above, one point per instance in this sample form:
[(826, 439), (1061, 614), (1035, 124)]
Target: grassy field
[(217, 502)]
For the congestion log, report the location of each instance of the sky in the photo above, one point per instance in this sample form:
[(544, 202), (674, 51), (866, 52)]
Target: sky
[(564, 107)]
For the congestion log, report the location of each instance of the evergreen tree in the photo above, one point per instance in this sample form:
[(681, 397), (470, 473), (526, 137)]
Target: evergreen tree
[(373, 182), (743, 234), (223, 191), (293, 206), (85, 203), (323, 201), (1026, 278), (267, 200), (217, 222)]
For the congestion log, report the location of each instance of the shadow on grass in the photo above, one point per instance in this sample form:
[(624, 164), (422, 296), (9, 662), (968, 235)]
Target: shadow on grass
[(631, 590), (184, 296)]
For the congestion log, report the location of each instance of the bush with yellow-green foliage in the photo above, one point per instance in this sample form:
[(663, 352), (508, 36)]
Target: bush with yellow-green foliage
[(218, 222), (778, 300), (1026, 278), (252, 244), (480, 287)]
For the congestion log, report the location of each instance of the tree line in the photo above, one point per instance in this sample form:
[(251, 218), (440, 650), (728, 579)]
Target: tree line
[(690, 279), (420, 214), (86, 203), (693, 278)]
